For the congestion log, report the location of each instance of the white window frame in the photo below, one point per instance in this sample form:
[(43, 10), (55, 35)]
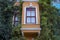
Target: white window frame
[(25, 13)]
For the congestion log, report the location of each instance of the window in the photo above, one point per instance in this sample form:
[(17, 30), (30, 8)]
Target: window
[(15, 20), (30, 15)]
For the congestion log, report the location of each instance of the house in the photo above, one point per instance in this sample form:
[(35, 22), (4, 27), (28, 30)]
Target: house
[(30, 18)]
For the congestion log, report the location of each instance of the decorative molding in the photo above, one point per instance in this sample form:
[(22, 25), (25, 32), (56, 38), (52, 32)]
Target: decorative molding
[(30, 4)]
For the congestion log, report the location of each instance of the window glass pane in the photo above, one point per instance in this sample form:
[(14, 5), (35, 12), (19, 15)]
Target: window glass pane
[(28, 19), (32, 13), (28, 13), (16, 18), (33, 20)]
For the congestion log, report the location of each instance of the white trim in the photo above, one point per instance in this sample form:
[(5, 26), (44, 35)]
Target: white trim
[(30, 28), (22, 34), (12, 20), (38, 33), (25, 13)]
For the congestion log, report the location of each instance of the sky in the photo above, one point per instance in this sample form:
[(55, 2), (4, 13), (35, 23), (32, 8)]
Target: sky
[(57, 5)]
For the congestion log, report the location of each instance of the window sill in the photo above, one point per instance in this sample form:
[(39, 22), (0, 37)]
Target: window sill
[(30, 28)]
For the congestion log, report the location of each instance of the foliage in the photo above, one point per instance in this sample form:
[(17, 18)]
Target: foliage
[(48, 21), (5, 19), (16, 33)]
